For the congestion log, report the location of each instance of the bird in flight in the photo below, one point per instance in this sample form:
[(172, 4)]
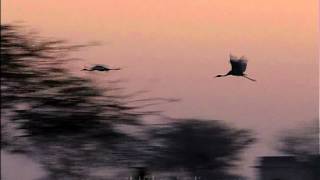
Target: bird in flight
[(238, 67), (100, 68)]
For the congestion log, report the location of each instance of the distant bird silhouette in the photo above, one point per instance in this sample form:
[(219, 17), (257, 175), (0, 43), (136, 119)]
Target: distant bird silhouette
[(100, 68), (238, 67)]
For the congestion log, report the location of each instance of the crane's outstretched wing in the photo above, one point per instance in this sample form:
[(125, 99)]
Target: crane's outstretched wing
[(243, 61), (232, 57), (238, 66), (99, 67), (102, 65)]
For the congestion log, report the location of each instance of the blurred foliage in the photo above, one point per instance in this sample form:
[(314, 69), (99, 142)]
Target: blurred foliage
[(301, 141), (62, 120), (203, 148), (72, 128)]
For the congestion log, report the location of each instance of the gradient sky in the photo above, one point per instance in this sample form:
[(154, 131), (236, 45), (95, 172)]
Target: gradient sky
[(175, 47)]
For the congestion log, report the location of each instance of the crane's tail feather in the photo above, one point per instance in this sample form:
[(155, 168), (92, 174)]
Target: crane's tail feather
[(249, 78)]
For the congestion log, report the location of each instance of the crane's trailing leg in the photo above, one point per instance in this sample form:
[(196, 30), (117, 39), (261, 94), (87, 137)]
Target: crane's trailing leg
[(249, 78)]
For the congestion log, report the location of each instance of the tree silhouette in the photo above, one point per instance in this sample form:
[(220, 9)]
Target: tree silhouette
[(60, 119), (302, 144), (206, 148), (301, 141), (73, 128)]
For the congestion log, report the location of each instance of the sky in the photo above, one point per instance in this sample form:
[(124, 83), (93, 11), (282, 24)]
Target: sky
[(174, 48)]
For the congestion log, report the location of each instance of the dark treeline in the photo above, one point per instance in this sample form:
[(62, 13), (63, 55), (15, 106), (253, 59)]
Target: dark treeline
[(70, 126), (301, 141), (302, 144)]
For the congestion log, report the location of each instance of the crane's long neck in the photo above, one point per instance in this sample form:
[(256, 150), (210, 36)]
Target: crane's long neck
[(223, 75), (87, 69)]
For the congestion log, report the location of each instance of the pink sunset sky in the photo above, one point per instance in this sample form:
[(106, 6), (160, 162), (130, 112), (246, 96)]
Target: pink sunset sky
[(174, 48)]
